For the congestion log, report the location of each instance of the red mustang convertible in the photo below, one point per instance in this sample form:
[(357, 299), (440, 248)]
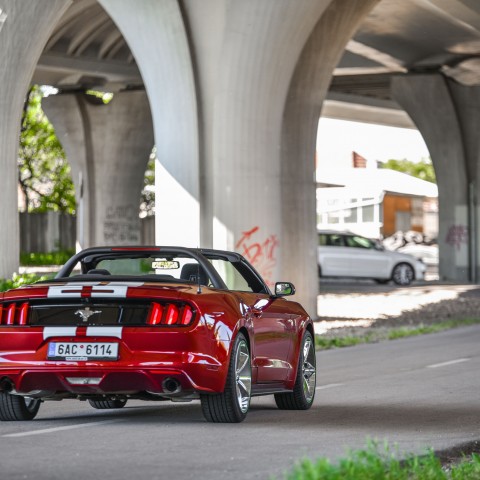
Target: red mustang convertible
[(155, 323)]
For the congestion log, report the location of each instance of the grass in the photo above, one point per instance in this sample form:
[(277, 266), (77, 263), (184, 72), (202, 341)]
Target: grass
[(48, 258), (374, 463), (374, 335)]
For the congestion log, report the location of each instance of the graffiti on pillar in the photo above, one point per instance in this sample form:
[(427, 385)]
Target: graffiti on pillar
[(121, 226), (260, 251), (457, 236)]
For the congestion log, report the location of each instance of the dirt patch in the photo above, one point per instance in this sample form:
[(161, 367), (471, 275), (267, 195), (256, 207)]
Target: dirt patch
[(375, 313)]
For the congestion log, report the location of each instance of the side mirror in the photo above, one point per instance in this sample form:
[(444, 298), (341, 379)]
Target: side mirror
[(284, 289)]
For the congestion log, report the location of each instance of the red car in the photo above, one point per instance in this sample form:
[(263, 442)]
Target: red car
[(155, 323)]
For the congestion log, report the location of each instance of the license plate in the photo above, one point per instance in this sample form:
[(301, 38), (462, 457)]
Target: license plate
[(75, 351)]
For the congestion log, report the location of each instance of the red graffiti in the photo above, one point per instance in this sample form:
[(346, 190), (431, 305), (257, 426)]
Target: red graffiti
[(261, 254), (457, 236)]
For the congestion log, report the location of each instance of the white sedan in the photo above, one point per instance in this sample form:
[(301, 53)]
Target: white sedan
[(344, 254)]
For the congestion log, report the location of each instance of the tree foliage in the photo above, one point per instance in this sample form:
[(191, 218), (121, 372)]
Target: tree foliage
[(422, 169), (43, 172)]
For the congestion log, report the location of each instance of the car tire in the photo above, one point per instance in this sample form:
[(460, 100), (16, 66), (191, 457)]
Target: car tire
[(108, 404), (403, 274), (303, 394), (16, 407), (231, 406)]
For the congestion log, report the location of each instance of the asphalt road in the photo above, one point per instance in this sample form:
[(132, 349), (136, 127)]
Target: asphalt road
[(417, 392)]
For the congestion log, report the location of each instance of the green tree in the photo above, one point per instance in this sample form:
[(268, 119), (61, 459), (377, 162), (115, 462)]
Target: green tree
[(43, 172), (422, 169)]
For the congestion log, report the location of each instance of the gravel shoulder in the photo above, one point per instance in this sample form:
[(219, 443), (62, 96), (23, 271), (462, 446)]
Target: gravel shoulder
[(360, 308)]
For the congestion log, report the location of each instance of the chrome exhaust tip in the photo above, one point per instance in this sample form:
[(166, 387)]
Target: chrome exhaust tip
[(171, 385)]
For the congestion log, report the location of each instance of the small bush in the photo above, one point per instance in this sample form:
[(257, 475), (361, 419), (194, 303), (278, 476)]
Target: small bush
[(39, 259), (19, 280)]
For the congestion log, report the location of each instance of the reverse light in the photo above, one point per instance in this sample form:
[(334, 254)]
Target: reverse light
[(84, 380)]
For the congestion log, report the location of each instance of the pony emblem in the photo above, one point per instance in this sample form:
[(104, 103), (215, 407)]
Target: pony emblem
[(86, 313)]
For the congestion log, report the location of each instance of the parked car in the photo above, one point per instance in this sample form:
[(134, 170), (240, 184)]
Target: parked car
[(155, 323), (344, 254)]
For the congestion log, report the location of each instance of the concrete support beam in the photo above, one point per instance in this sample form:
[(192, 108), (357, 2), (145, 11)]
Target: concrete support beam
[(24, 27), (108, 147), (245, 55), (157, 37), (440, 117), (64, 113), (307, 92)]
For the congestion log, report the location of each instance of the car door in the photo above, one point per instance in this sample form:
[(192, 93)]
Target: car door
[(273, 334), (333, 258), (365, 260)]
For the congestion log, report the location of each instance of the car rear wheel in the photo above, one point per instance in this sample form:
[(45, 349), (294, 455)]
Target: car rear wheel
[(231, 406), (16, 407), (304, 390), (402, 274), (108, 404)]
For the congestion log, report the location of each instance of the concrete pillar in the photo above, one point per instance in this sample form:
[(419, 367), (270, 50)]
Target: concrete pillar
[(64, 113), (155, 32), (467, 107), (441, 117), (307, 91), (24, 29), (244, 72), (108, 147)]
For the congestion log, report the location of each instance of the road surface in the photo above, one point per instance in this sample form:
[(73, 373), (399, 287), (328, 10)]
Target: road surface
[(417, 392)]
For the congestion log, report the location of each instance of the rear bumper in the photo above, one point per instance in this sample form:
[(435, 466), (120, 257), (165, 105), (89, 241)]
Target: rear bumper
[(101, 381), (106, 380)]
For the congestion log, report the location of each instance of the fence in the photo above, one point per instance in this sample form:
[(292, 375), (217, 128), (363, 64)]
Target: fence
[(52, 231)]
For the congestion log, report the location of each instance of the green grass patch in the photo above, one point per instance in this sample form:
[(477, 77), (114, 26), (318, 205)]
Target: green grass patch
[(373, 335), (41, 259), (374, 463), (19, 280)]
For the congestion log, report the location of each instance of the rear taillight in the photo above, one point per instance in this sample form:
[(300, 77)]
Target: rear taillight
[(14, 314), (170, 314)]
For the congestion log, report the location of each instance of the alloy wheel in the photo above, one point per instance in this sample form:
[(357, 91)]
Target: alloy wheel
[(243, 376), (308, 369)]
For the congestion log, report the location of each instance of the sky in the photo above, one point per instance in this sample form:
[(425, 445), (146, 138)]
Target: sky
[(337, 139)]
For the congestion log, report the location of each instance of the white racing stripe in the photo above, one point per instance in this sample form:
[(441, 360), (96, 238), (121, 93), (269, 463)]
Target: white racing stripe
[(108, 290), (330, 385), (446, 364), (58, 429), (104, 332), (59, 332)]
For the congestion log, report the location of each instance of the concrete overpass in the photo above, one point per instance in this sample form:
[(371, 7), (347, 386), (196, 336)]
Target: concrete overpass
[(230, 92)]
